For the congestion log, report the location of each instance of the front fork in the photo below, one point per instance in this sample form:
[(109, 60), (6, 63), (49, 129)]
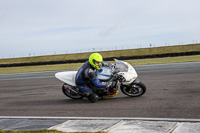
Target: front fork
[(136, 81)]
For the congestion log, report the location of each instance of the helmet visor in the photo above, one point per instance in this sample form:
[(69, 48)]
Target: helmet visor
[(98, 64)]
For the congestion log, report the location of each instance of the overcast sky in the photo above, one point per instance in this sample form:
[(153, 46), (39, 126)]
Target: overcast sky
[(41, 27)]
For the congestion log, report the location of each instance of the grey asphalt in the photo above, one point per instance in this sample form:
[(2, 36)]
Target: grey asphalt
[(172, 92)]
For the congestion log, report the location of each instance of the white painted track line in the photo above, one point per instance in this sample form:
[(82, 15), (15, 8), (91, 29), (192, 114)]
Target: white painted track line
[(102, 118)]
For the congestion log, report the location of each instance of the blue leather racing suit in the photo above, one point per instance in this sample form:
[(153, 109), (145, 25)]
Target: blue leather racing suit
[(86, 79)]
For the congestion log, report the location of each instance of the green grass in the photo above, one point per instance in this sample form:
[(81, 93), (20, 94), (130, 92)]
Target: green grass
[(41, 131), (70, 66), (179, 59), (115, 53)]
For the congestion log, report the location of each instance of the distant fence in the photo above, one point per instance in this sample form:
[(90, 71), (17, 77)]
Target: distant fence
[(105, 59)]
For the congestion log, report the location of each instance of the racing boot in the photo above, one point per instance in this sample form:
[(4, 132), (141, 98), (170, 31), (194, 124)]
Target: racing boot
[(93, 97)]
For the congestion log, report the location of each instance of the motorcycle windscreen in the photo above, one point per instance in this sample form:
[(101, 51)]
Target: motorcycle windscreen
[(104, 74), (121, 66)]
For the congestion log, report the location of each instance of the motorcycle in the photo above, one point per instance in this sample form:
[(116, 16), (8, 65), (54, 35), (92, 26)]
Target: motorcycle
[(121, 73)]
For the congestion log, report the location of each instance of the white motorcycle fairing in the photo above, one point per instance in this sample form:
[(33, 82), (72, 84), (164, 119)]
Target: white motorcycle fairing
[(121, 72), (127, 71), (67, 77)]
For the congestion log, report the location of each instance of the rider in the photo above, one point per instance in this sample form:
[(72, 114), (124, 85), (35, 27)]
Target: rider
[(86, 78)]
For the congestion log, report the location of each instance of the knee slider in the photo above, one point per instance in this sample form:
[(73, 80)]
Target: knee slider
[(93, 97)]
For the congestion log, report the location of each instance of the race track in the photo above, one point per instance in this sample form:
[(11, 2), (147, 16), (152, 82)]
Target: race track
[(173, 91)]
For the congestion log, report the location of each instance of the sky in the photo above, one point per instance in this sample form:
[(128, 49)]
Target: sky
[(48, 27)]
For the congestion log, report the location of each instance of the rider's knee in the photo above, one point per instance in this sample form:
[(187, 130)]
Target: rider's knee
[(93, 97)]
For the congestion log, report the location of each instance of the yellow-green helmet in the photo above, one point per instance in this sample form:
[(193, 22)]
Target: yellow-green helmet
[(95, 60)]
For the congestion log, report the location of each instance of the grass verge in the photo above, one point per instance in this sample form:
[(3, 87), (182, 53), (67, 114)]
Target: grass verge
[(105, 54), (29, 131), (78, 65), (40, 131)]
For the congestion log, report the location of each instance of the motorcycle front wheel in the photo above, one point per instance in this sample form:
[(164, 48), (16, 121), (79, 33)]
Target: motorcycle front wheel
[(70, 91), (134, 90)]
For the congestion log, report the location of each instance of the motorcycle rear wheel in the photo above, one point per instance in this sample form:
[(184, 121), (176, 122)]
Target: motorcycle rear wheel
[(135, 90), (67, 90)]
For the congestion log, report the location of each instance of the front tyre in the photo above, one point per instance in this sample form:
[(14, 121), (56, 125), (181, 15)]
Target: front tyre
[(70, 91), (134, 90)]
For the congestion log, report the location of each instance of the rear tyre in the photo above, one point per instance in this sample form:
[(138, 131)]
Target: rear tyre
[(134, 90), (70, 91)]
